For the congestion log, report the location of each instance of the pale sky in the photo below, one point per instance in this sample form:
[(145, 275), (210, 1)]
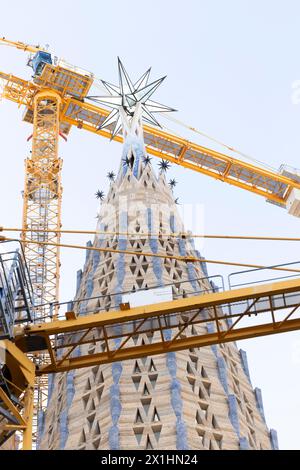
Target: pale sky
[(230, 69)]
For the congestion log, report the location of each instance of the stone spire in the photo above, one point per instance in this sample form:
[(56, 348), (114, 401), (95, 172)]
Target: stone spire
[(194, 399)]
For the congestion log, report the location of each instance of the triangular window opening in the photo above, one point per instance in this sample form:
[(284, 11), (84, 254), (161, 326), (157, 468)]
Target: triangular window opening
[(138, 434), (201, 434), (156, 431), (82, 438), (152, 367), (136, 381), (146, 404), (90, 419), (155, 417), (96, 443), (97, 431), (149, 445), (138, 418)]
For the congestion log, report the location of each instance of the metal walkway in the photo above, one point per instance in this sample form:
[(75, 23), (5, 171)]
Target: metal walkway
[(197, 321)]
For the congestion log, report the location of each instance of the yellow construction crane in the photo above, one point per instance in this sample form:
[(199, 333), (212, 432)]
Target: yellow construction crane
[(54, 101)]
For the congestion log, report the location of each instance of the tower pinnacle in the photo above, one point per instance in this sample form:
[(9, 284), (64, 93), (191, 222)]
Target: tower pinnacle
[(130, 102)]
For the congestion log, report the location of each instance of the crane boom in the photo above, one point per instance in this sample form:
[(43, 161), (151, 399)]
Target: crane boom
[(20, 45), (275, 187)]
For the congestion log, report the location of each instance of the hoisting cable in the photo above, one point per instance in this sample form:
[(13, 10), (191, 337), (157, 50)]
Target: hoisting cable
[(187, 259), (159, 235)]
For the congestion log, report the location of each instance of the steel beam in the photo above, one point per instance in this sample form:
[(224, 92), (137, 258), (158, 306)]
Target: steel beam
[(176, 316), (164, 308)]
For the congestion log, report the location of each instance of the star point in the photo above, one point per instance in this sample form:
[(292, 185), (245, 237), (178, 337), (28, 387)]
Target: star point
[(125, 98)]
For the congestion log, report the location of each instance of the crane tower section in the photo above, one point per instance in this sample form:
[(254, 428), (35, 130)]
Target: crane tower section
[(43, 190)]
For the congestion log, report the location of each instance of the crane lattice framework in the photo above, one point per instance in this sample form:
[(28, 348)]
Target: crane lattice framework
[(42, 201), (235, 315), (54, 102)]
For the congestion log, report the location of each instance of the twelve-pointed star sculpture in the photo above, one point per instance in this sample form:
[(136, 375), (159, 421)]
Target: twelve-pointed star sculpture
[(127, 95)]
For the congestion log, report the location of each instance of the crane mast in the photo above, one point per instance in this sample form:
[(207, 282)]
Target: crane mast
[(42, 202)]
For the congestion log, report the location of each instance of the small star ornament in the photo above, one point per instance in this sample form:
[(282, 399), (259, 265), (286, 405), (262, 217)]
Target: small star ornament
[(164, 165), (99, 195)]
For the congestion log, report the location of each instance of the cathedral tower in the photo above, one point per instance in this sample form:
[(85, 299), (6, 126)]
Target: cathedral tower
[(193, 399)]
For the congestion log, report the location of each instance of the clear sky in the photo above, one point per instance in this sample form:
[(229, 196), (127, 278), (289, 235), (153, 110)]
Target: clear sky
[(231, 66)]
